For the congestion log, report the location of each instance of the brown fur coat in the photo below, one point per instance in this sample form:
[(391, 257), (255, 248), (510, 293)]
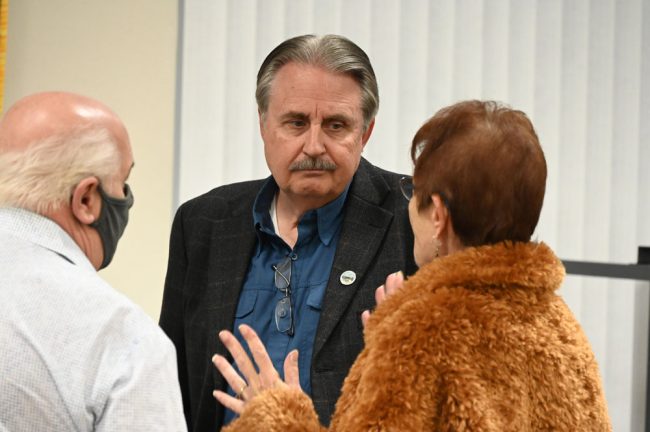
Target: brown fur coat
[(476, 341)]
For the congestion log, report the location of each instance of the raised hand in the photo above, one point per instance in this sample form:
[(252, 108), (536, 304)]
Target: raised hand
[(252, 382), (394, 282)]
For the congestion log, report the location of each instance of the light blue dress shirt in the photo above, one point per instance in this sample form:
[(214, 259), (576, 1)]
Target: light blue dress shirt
[(76, 355)]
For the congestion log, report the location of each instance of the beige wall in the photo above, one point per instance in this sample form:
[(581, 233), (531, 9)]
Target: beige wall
[(122, 52)]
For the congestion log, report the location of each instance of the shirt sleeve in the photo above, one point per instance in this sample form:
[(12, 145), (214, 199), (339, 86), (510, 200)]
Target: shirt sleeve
[(143, 393)]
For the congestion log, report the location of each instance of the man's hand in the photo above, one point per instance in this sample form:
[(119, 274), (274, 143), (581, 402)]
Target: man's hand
[(394, 281), (252, 382)]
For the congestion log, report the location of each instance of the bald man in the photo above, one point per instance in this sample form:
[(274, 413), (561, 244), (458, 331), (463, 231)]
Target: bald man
[(75, 355)]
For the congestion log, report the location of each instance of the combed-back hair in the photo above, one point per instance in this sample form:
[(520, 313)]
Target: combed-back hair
[(42, 177), (485, 161), (333, 53)]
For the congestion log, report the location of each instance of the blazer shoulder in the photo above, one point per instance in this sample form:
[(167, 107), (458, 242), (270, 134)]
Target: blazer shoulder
[(389, 175), (377, 185), (223, 201)]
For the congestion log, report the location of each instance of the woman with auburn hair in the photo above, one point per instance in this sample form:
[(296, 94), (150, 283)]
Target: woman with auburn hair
[(477, 339)]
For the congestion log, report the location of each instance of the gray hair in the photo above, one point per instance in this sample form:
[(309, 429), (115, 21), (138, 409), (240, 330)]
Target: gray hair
[(332, 52), (42, 177)]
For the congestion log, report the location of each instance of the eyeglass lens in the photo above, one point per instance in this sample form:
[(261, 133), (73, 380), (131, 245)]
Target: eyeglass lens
[(406, 186), (283, 309)]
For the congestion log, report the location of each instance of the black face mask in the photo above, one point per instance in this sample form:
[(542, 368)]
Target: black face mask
[(112, 221)]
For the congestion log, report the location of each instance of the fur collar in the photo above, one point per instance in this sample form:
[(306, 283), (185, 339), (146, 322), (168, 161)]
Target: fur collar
[(527, 265)]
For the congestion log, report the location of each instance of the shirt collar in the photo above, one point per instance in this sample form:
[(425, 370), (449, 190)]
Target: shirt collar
[(44, 232), (328, 217)]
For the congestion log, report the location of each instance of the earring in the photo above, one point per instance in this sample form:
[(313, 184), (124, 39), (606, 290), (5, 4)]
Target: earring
[(436, 244)]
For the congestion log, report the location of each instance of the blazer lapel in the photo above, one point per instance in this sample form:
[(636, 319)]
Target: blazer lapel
[(364, 226), (228, 263), (232, 246)]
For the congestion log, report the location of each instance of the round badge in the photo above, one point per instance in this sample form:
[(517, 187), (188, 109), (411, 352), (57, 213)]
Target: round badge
[(348, 277)]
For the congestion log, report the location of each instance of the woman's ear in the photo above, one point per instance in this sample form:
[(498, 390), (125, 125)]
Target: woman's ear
[(86, 201), (440, 216)]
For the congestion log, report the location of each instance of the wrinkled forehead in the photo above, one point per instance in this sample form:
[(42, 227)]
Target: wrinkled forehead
[(303, 88)]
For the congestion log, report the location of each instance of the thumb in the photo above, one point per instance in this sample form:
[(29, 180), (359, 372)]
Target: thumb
[(365, 316), (291, 374)]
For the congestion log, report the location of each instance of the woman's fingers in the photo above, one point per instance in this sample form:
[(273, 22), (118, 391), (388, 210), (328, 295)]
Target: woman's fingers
[(291, 373), (394, 282), (365, 316), (241, 358), (268, 375), (228, 401), (380, 294), (235, 404), (235, 381)]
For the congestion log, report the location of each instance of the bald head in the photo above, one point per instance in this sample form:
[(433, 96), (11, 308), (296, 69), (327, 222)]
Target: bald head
[(44, 115), (63, 155), (50, 141)]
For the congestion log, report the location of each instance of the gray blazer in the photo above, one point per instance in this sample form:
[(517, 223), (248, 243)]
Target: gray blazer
[(212, 240)]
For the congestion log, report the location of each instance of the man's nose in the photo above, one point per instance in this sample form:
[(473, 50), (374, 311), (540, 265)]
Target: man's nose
[(314, 141)]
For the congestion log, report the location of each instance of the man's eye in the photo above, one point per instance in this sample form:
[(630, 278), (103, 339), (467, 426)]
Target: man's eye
[(297, 123), (336, 125)]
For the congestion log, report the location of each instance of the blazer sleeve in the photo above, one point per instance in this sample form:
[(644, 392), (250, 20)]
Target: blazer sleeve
[(171, 314)]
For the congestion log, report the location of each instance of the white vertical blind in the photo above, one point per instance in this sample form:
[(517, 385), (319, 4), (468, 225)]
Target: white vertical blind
[(579, 68)]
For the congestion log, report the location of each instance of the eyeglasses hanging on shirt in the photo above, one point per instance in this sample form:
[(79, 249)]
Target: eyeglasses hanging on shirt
[(284, 307)]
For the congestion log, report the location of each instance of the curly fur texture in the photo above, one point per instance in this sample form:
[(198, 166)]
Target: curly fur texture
[(476, 341)]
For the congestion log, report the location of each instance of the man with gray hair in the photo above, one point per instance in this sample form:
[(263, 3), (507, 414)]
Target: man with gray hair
[(296, 256), (76, 355)]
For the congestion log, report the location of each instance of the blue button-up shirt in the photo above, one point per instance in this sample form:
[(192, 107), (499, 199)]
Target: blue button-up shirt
[(313, 255)]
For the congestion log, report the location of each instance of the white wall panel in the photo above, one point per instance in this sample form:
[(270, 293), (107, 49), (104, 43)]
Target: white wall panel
[(548, 94), (413, 63), (468, 50), (598, 172), (299, 17), (441, 45), (202, 106), (579, 68), (496, 49), (386, 42), (521, 75), (572, 151)]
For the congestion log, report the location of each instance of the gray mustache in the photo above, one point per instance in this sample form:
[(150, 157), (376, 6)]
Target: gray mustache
[(312, 164)]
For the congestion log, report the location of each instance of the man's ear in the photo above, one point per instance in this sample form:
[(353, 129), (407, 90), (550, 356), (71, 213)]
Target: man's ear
[(367, 133), (440, 215), (86, 201)]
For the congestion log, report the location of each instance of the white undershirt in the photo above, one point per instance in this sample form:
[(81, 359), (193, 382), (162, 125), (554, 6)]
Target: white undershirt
[(274, 214)]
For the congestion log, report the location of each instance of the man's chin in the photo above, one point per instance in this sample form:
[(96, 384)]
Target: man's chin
[(313, 191)]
